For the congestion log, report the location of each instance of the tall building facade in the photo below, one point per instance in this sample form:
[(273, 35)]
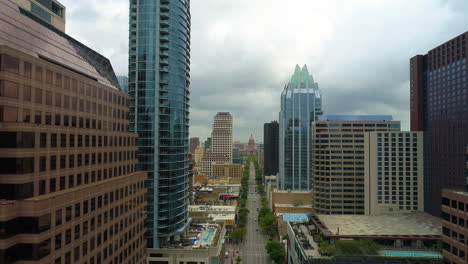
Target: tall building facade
[(123, 82), (159, 72), (393, 172), (207, 143), (69, 186), (260, 154), (221, 142), (271, 148), (454, 226), (438, 96), (338, 161), (194, 143), (301, 103)]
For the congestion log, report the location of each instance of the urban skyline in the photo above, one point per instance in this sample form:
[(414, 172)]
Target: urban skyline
[(419, 26)]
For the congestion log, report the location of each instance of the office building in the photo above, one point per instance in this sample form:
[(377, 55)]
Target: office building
[(198, 153), (194, 143), (271, 148), (236, 156), (338, 160), (221, 142), (260, 154), (69, 186), (51, 12), (123, 82), (207, 143), (393, 172), (454, 226), (301, 103), (158, 83), (438, 106), (232, 172)]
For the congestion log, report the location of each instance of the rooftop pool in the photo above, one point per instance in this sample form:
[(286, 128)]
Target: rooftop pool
[(208, 236), (414, 254)]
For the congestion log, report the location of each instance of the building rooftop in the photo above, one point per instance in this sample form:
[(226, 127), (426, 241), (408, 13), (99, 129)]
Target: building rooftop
[(212, 208), (355, 118), (414, 224), (200, 235)]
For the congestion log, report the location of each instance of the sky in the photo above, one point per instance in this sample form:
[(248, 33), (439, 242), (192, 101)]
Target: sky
[(243, 52)]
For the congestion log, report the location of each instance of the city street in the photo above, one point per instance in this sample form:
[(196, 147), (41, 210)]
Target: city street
[(253, 249)]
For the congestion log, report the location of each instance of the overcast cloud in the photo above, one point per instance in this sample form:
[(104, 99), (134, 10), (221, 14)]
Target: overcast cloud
[(244, 52)]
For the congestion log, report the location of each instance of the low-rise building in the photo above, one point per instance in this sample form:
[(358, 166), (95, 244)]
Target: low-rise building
[(203, 243), (455, 226), (231, 172), (290, 202)]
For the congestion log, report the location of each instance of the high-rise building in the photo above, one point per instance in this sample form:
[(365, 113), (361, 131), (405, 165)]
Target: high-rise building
[(207, 144), (123, 82), (271, 148), (221, 142), (393, 172), (301, 103), (236, 156), (260, 154), (51, 12), (338, 161), (454, 226), (158, 82), (69, 186), (438, 84), (194, 143)]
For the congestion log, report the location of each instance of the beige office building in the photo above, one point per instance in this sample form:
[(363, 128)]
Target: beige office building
[(51, 12), (221, 142), (393, 173), (338, 161), (226, 171)]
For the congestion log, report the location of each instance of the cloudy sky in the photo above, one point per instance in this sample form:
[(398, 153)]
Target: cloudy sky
[(244, 51)]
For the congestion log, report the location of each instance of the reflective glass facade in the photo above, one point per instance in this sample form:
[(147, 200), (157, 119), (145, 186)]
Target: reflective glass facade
[(301, 103), (159, 65)]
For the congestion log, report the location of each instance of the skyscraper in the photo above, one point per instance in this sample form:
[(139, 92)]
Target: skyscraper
[(271, 148), (159, 71), (123, 82), (69, 186), (301, 103), (221, 142), (194, 143), (438, 84)]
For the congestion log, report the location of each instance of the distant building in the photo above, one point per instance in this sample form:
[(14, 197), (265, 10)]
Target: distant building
[(207, 144), (260, 154), (199, 153), (301, 103), (251, 148), (438, 106), (221, 138), (455, 226), (236, 156), (123, 82), (194, 142), (271, 148), (393, 172), (338, 160), (51, 12)]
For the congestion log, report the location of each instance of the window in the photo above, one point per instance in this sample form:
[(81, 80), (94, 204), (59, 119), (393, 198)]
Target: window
[(53, 140), (8, 89), (48, 118), (72, 141), (38, 117), (9, 63), (49, 76), (53, 162), (42, 164), (58, 119), (58, 100), (27, 69), (49, 98), (8, 114), (63, 160), (58, 217), (63, 140), (39, 73), (52, 185), (71, 181), (58, 241), (26, 115)]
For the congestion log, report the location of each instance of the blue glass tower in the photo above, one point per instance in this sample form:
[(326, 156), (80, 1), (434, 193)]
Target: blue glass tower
[(159, 66), (301, 103)]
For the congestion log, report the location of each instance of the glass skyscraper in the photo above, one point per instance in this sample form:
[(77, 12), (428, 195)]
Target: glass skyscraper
[(159, 66), (301, 103)]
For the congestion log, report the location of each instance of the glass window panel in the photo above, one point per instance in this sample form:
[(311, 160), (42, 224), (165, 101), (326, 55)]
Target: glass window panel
[(49, 76), (27, 69), (49, 98), (9, 63), (8, 114), (26, 115), (39, 73), (8, 89), (38, 96), (27, 93)]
